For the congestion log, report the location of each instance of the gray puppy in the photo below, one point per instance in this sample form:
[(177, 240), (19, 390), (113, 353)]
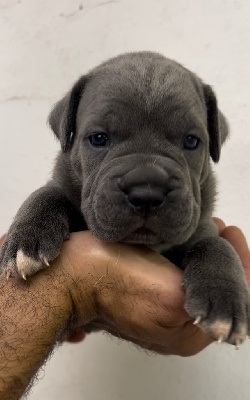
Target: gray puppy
[(137, 134)]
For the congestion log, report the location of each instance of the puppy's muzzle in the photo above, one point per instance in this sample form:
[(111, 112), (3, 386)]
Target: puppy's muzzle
[(145, 189)]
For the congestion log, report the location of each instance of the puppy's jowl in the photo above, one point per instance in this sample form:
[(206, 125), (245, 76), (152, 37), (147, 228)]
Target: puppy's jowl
[(139, 135)]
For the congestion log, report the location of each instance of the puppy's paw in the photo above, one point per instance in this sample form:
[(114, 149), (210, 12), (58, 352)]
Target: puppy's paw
[(28, 249), (222, 313), (217, 295)]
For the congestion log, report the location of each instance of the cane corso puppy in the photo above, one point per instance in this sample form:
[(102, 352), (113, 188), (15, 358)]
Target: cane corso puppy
[(138, 137)]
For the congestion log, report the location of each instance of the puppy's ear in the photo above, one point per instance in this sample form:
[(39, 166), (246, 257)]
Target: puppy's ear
[(216, 124), (62, 118)]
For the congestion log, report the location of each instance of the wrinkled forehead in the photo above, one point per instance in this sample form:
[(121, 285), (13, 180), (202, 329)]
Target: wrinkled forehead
[(134, 97)]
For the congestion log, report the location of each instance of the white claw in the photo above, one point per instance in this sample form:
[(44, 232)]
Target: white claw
[(10, 267), (221, 339), (46, 261), (197, 320), (24, 277), (237, 344)]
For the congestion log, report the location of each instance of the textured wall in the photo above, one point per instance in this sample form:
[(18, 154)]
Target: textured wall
[(44, 46)]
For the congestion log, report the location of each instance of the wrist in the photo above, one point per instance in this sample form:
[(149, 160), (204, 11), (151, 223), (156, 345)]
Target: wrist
[(82, 262), (36, 313)]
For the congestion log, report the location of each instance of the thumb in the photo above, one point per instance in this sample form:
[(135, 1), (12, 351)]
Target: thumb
[(237, 239)]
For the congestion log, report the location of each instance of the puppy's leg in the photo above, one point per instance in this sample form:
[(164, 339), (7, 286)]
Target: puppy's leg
[(217, 296), (38, 231)]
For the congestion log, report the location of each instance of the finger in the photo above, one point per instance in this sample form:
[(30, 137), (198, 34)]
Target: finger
[(76, 337), (237, 239), (192, 340), (184, 341), (154, 347), (220, 224)]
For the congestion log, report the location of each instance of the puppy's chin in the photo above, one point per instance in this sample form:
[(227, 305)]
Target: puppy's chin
[(142, 236)]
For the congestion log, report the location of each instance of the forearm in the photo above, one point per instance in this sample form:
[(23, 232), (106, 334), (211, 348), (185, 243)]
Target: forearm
[(32, 316)]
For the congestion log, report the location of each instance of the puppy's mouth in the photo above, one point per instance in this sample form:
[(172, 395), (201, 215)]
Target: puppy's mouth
[(142, 235)]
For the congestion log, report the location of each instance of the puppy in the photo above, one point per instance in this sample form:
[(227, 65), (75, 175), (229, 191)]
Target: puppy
[(138, 136)]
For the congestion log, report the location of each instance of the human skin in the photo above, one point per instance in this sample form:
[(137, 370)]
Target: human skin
[(132, 292)]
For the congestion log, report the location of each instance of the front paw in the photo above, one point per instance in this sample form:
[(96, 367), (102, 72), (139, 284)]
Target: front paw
[(223, 313), (29, 248), (217, 296)]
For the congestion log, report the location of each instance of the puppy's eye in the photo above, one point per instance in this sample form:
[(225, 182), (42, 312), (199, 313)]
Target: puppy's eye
[(98, 139), (191, 142)]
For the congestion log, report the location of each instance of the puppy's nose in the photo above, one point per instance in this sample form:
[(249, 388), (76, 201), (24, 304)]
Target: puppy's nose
[(145, 201)]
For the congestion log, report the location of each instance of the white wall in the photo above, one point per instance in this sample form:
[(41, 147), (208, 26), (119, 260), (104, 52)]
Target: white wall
[(44, 46)]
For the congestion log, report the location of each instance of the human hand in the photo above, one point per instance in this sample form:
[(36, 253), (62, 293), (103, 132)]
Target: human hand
[(138, 295), (170, 331), (134, 293)]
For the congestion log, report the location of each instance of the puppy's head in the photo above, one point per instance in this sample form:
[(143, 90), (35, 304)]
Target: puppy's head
[(139, 131)]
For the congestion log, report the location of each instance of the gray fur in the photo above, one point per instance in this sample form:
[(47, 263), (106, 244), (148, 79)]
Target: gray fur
[(144, 187)]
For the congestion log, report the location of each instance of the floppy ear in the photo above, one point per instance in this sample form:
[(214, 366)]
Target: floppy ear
[(216, 124), (62, 118)]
